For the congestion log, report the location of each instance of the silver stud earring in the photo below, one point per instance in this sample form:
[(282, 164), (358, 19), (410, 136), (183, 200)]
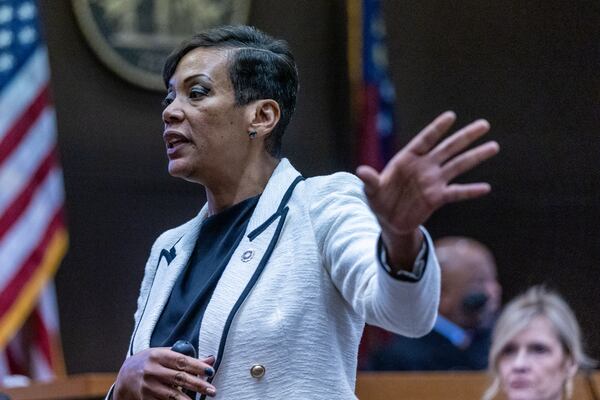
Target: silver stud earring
[(252, 134)]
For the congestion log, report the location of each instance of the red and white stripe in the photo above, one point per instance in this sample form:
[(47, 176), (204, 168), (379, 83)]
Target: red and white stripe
[(32, 231)]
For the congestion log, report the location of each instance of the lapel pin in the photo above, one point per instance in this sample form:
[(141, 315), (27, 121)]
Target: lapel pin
[(247, 255)]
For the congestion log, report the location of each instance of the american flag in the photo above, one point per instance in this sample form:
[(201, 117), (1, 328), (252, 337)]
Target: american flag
[(33, 238), (373, 105), (376, 141)]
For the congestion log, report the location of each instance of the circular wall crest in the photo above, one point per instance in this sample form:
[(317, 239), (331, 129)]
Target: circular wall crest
[(133, 37)]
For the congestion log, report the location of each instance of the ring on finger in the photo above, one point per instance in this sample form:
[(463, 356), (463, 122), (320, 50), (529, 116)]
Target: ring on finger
[(179, 379), (180, 363)]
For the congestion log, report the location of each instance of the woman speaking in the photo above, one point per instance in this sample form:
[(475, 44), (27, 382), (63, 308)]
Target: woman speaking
[(273, 280)]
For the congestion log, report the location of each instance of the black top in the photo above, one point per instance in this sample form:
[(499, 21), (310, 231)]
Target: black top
[(218, 238)]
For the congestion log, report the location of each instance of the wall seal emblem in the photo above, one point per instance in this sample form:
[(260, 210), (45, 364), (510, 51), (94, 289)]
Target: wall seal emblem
[(133, 37)]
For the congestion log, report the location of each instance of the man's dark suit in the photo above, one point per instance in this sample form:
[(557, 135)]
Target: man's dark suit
[(432, 352)]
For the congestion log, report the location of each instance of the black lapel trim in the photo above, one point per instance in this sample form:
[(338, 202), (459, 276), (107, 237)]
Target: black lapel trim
[(263, 263), (286, 197), (281, 213), (169, 255)]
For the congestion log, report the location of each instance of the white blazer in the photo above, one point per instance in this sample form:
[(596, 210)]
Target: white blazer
[(296, 293)]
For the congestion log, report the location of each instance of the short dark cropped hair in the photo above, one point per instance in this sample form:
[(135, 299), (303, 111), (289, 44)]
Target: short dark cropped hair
[(260, 67)]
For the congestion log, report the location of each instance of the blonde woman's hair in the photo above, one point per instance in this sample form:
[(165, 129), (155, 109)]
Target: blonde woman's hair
[(519, 313)]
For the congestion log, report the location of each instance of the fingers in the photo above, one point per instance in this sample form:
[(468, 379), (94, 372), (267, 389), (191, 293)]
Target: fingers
[(469, 159), (189, 373), (168, 393), (460, 140), (458, 192), (171, 394), (208, 360), (183, 380), (159, 373), (416, 182), (370, 178), (431, 135), (180, 362)]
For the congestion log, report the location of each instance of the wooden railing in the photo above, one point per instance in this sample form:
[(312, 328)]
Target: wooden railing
[(369, 386), (84, 386), (446, 386)]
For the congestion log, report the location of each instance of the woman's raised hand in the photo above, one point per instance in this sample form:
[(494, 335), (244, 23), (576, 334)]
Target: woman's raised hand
[(417, 181), (159, 373)]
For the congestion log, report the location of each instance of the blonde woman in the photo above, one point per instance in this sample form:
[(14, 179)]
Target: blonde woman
[(536, 349)]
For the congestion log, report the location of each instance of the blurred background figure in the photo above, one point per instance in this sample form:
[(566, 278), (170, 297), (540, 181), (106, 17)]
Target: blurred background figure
[(470, 299), (536, 349)]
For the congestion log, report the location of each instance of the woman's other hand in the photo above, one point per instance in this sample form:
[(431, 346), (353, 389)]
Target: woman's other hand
[(159, 373), (417, 181)]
